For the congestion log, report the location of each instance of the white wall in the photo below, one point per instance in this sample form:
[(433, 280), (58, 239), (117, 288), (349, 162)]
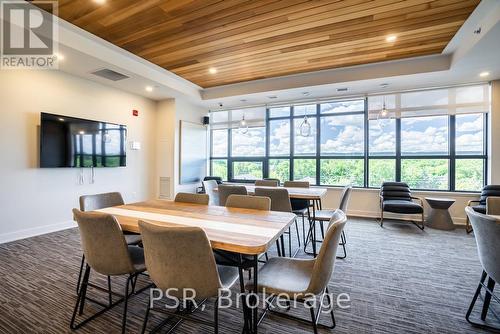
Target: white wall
[(34, 200), (170, 113)]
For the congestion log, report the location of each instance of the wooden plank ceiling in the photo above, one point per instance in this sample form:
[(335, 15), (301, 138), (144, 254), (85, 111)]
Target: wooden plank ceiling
[(256, 39)]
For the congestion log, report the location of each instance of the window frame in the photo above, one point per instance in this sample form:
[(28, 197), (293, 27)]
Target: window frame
[(452, 155)]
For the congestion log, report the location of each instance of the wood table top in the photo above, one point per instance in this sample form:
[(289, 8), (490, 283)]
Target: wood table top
[(298, 193), (237, 230)]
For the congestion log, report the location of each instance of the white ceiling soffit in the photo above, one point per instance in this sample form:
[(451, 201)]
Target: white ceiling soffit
[(361, 72)]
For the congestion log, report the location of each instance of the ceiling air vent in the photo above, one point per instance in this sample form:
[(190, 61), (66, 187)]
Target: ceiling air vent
[(106, 73), (341, 89)]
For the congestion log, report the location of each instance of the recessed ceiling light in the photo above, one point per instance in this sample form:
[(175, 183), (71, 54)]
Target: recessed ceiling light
[(484, 74), (59, 56), (100, 2), (82, 132), (149, 88), (61, 119), (391, 38), (272, 97), (212, 70)]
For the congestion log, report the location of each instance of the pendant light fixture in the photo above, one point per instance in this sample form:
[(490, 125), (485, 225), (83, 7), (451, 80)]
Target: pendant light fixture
[(243, 126), (383, 117), (305, 126)]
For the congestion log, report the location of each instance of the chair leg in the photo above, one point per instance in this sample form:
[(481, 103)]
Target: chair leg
[(468, 227), (80, 275), (81, 297), (125, 305), (146, 316), (216, 316), (297, 230), (313, 319), (330, 304), (304, 229), (343, 242), (290, 242), (110, 295), (423, 221), (381, 218), (487, 299), (322, 229)]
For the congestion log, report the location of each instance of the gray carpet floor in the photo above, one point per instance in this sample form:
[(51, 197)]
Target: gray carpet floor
[(399, 279)]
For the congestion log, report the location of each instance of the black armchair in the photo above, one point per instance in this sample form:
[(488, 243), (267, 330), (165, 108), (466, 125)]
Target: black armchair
[(395, 197), (480, 204)]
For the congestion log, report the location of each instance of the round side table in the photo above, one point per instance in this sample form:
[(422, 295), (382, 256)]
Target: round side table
[(439, 216)]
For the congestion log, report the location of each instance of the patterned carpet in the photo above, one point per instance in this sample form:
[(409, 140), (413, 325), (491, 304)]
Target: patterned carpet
[(399, 279)]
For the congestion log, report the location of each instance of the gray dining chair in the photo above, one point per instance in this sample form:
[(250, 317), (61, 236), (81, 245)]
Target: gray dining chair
[(225, 190), (249, 202), (487, 234), (180, 258), (301, 207), (192, 198), (210, 186), (107, 253), (323, 216), (493, 206), (267, 183), (280, 201), (101, 201), (300, 279)]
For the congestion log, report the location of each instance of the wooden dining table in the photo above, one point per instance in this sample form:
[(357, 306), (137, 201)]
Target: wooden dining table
[(243, 231)]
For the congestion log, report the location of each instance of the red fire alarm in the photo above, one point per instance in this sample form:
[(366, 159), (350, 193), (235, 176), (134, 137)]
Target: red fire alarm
[(135, 112)]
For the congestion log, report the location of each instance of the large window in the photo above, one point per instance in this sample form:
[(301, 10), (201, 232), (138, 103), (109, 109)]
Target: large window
[(431, 139)]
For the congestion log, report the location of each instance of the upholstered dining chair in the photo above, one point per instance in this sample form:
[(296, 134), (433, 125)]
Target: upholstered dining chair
[(273, 179), (280, 201), (225, 190), (325, 216), (180, 258), (266, 183), (248, 202), (192, 198), (493, 206), (301, 207), (395, 197), (107, 253), (480, 204), (209, 186), (304, 280), (101, 201), (487, 233)]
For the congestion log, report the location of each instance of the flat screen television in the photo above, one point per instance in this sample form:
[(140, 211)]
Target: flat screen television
[(75, 142)]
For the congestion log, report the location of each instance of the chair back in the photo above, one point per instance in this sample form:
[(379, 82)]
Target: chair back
[(181, 258), (487, 233), (103, 243), (489, 190), (296, 184), (280, 200), (209, 186), (225, 190), (249, 202), (217, 179), (266, 183), (323, 265), (395, 191), (493, 206), (273, 179), (192, 198), (344, 198), (100, 201)]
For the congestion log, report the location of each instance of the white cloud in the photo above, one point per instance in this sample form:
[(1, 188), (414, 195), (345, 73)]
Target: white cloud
[(475, 125), (349, 140)]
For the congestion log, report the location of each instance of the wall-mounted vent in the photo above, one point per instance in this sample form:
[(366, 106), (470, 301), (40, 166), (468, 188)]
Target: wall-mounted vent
[(106, 73), (341, 89)]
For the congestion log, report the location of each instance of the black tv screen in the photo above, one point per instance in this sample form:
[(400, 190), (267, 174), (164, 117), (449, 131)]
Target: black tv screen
[(75, 142)]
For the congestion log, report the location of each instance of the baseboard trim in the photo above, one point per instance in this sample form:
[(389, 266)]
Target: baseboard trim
[(458, 221), (33, 232)]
